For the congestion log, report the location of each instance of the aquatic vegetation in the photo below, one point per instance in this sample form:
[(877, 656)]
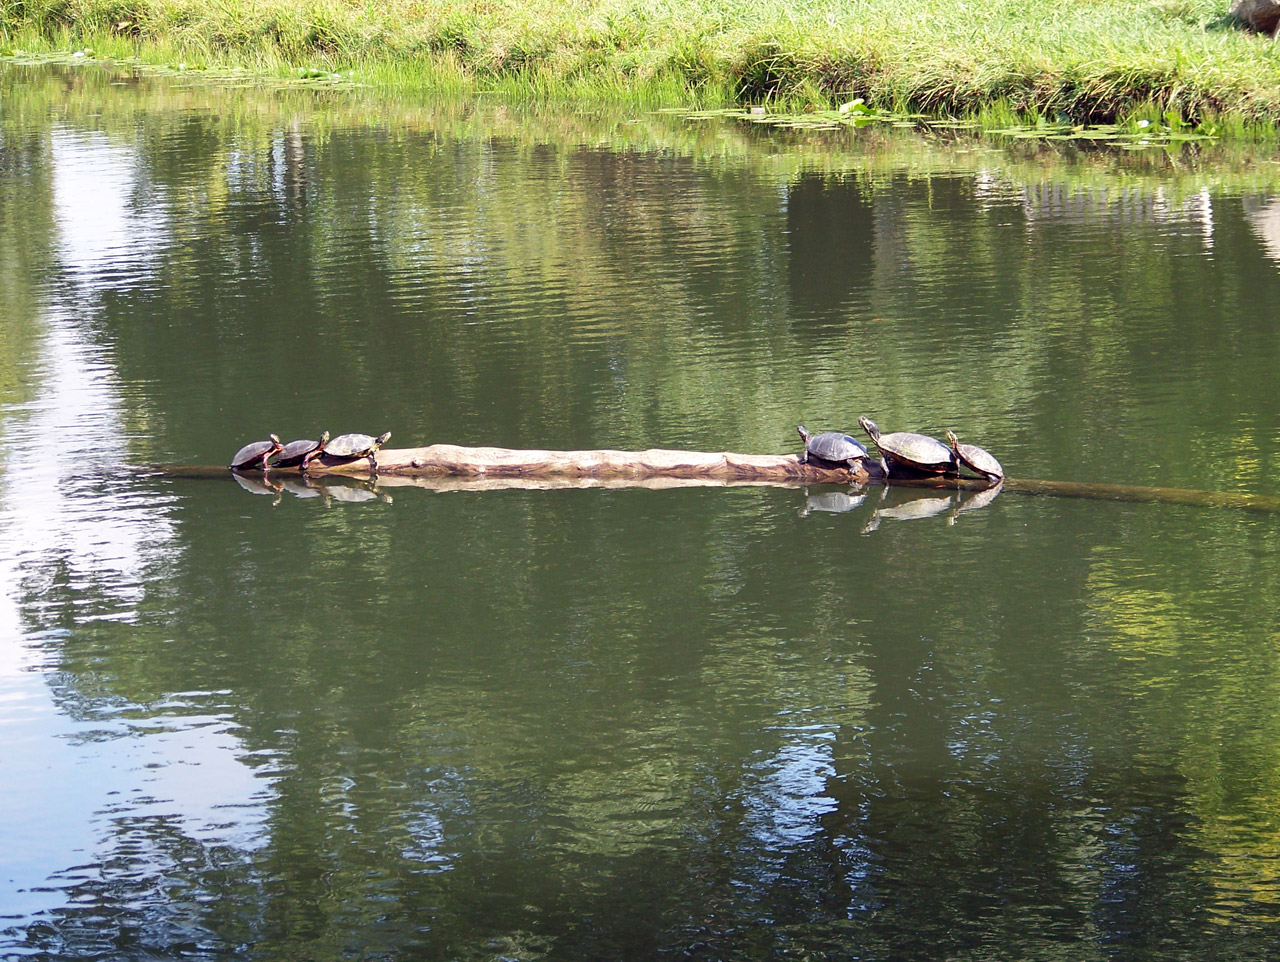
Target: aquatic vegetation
[(1076, 65), (1135, 134)]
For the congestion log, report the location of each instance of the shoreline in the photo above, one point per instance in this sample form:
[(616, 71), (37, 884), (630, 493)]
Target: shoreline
[(1186, 67)]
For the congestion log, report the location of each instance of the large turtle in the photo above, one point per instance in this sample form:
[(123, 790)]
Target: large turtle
[(350, 447), (255, 454), (830, 447), (903, 453), (976, 459), (295, 452)]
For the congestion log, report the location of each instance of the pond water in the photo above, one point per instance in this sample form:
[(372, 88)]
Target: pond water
[(623, 723)]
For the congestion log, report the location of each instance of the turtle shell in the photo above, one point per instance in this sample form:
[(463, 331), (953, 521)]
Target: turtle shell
[(354, 445), (293, 453), (834, 446), (976, 459), (915, 452), (255, 454)]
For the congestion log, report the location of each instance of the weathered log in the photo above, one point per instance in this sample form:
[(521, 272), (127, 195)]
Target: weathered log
[(451, 467)]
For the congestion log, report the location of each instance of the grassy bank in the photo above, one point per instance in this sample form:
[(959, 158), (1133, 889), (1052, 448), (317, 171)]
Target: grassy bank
[(1082, 60)]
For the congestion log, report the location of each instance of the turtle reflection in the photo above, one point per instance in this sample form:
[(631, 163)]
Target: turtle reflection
[(302, 487), (351, 490), (834, 502), (972, 501), (259, 484), (348, 490), (909, 504)]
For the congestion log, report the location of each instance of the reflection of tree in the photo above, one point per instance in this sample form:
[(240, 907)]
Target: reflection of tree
[(1198, 661), (26, 229)]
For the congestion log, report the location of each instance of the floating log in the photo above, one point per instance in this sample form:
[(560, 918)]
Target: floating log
[(451, 467)]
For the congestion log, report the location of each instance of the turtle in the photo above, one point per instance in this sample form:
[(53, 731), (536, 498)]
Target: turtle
[(255, 455), (904, 453), (350, 447), (831, 447), (976, 459), (295, 452)]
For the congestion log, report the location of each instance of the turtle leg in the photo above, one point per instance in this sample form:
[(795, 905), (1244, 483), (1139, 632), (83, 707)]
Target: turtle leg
[(373, 463)]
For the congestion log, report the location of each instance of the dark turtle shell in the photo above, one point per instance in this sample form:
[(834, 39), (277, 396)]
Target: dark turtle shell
[(832, 446), (912, 452), (293, 453), (255, 454), (353, 446), (976, 459)]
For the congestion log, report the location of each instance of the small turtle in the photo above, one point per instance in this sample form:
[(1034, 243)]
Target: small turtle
[(904, 453), (350, 447), (255, 455), (295, 452), (830, 447), (976, 459)]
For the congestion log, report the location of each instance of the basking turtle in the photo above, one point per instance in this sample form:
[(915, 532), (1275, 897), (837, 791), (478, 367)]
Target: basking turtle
[(903, 453), (830, 447), (255, 455), (295, 452), (976, 459), (350, 447)]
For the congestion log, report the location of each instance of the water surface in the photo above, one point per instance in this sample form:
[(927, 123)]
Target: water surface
[(710, 723)]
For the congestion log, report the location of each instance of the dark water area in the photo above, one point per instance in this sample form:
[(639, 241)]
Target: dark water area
[(461, 722)]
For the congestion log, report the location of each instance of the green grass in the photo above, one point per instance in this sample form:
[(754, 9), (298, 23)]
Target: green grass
[(1000, 61)]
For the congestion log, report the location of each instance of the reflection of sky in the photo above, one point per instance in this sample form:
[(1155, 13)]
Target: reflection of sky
[(1264, 217), (106, 230), (67, 534), (788, 796)]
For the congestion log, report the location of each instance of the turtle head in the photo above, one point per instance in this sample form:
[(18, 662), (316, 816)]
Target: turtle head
[(383, 438), (804, 434), (951, 436), (324, 438), (275, 440), (869, 426)]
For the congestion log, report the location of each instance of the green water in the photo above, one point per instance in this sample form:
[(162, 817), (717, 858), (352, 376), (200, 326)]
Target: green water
[(706, 723)]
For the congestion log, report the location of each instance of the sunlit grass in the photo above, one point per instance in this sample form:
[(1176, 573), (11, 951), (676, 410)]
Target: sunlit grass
[(994, 60)]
